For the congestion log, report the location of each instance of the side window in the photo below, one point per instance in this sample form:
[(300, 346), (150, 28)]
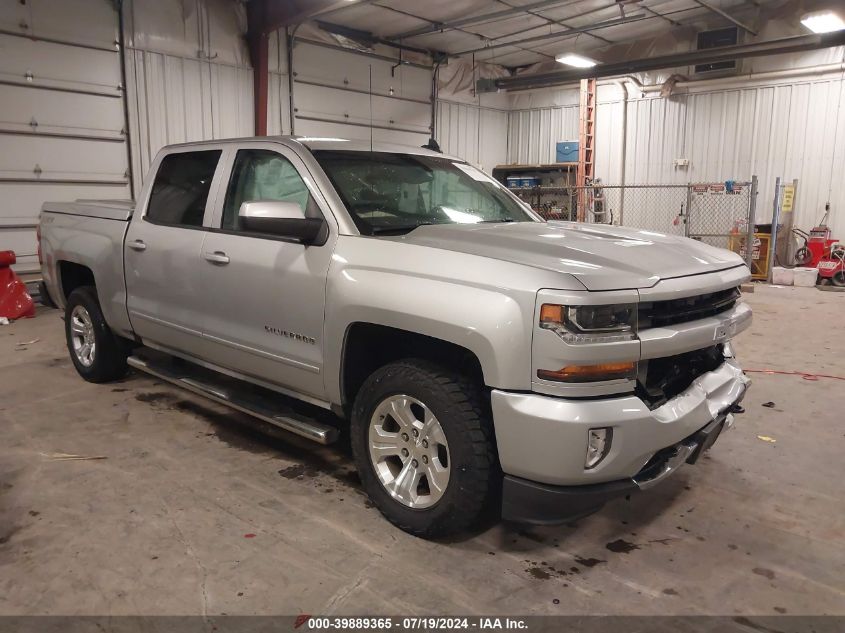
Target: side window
[(260, 174), (181, 187)]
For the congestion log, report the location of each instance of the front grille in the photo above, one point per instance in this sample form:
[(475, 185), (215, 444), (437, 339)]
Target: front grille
[(661, 379), (660, 313)]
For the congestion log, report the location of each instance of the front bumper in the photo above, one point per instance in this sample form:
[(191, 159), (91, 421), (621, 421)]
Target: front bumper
[(525, 501), (542, 440)]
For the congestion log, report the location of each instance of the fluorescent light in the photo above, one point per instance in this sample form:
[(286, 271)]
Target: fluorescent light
[(571, 59), (823, 22)]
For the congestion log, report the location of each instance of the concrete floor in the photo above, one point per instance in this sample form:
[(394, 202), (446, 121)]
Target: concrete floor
[(197, 510)]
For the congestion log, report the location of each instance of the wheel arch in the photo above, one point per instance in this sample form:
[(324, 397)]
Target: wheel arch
[(72, 276), (368, 346)]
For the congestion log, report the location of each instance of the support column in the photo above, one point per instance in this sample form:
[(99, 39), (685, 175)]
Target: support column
[(259, 52)]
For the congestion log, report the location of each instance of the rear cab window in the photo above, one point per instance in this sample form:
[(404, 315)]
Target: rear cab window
[(181, 187)]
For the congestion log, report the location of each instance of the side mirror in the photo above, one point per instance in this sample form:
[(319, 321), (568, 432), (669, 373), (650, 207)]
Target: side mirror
[(284, 219)]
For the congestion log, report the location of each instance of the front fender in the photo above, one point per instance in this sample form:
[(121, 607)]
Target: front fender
[(485, 306)]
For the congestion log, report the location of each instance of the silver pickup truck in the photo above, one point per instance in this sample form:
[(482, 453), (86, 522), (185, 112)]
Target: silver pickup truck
[(480, 356)]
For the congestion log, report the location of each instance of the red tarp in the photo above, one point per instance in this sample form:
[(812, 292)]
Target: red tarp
[(15, 301)]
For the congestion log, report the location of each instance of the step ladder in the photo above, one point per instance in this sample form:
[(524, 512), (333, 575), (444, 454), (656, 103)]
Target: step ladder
[(586, 145)]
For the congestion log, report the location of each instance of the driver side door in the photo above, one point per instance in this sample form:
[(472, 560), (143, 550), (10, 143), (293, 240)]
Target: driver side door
[(266, 294)]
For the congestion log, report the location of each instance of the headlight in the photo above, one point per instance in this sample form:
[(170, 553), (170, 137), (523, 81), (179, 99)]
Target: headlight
[(590, 324)]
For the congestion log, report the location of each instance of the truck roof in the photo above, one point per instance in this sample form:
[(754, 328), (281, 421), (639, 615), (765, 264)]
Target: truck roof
[(316, 143)]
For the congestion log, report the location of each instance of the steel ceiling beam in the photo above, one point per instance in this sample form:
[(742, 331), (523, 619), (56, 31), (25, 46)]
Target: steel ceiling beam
[(367, 38), (555, 35), (560, 22), (725, 53), (659, 15), (570, 17), (726, 15), (321, 11), (460, 30), (478, 19)]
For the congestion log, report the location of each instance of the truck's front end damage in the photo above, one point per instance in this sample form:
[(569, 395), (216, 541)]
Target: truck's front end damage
[(627, 386)]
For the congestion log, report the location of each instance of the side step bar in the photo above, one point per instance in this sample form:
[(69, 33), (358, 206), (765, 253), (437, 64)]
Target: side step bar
[(224, 391)]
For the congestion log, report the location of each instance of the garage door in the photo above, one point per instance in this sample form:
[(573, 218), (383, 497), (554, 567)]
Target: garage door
[(61, 112), (332, 96)]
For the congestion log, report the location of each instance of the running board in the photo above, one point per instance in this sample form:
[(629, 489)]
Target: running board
[(226, 391)]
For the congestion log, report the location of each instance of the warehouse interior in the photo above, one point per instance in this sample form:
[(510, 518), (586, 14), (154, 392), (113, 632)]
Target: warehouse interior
[(718, 120)]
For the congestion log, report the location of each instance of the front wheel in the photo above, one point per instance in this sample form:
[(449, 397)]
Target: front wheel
[(97, 353), (423, 444)]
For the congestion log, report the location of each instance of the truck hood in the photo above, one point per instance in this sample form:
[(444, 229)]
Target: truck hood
[(601, 257)]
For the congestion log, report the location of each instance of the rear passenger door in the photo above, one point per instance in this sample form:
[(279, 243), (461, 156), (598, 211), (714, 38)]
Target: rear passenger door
[(265, 295), (162, 249)]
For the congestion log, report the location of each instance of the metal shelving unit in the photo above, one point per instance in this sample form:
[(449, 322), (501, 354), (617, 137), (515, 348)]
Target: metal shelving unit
[(555, 197)]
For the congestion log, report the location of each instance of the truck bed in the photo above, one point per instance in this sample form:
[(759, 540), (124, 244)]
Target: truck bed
[(104, 209), (88, 234)]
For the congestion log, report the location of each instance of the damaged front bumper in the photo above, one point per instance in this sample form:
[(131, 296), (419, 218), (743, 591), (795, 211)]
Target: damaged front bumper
[(525, 501), (543, 440)]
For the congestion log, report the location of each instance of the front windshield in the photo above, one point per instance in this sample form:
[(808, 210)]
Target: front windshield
[(390, 193)]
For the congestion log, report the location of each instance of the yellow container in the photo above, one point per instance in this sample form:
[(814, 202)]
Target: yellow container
[(759, 252)]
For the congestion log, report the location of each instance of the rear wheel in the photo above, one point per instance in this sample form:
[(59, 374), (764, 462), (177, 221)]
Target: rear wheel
[(838, 278), (423, 444), (97, 353)]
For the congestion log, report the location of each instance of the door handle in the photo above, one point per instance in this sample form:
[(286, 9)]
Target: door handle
[(217, 257), (137, 245)]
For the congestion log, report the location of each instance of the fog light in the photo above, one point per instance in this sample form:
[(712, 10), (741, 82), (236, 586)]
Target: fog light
[(598, 445)]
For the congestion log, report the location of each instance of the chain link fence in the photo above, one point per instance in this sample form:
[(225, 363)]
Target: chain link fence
[(719, 214)]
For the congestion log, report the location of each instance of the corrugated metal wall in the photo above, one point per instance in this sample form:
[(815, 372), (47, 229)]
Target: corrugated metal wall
[(533, 133), (188, 76), (793, 130), (475, 133), (278, 105)]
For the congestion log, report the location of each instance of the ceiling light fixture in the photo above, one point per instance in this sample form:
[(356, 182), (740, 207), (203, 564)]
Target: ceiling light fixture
[(823, 22), (571, 59)]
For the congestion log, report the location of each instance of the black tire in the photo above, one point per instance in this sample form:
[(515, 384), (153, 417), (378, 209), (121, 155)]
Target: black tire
[(44, 296), (838, 278), (110, 351), (459, 406)]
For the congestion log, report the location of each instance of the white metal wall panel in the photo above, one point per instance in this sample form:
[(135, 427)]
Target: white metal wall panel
[(177, 100), (278, 101), (533, 134), (187, 75), (61, 113), (476, 134), (203, 29), (789, 129), (609, 154)]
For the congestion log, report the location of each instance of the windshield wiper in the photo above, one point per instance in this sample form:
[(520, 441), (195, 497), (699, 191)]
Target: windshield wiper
[(398, 228), (497, 221)]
